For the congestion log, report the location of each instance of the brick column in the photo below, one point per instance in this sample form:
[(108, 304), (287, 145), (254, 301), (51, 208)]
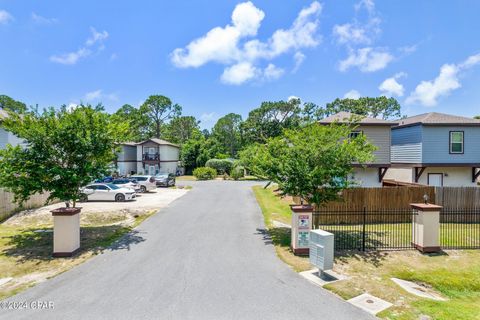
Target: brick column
[(426, 227), (301, 226)]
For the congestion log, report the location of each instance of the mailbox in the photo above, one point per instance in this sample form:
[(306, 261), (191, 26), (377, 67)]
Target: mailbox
[(321, 249)]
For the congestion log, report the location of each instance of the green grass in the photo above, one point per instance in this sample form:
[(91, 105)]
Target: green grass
[(26, 255), (455, 274), (278, 209)]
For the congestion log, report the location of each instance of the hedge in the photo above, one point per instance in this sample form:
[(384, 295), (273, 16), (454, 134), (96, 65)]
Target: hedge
[(204, 173), (221, 165)]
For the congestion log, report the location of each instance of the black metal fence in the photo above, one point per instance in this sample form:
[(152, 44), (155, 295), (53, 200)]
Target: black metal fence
[(363, 229), (460, 228)]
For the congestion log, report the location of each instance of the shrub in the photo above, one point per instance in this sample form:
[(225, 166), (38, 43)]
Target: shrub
[(237, 173), (221, 165), (204, 173)]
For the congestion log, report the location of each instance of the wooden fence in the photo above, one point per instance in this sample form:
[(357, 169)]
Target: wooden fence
[(458, 197), (8, 207)]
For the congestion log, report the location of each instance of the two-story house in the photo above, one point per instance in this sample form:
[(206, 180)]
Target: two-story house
[(5, 136), (436, 149), (151, 157), (378, 132)]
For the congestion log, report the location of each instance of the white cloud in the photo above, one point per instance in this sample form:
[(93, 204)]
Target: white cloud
[(357, 32), (290, 98), (72, 106), (98, 95), (272, 72), (366, 59), (72, 58), (5, 17), (390, 86), (43, 20), (409, 49), (229, 45), (208, 118), (96, 37), (298, 57), (427, 93), (239, 73), (352, 94)]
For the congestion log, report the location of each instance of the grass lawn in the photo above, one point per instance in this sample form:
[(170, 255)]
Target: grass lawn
[(454, 274), (26, 250), (275, 208)]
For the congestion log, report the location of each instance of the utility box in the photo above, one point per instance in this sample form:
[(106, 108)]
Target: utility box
[(321, 249)]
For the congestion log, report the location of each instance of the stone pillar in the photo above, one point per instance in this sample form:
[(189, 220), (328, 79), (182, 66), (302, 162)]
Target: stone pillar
[(426, 227), (66, 231), (301, 226)]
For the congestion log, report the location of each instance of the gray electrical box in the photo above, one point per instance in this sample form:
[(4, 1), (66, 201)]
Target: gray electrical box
[(321, 249)]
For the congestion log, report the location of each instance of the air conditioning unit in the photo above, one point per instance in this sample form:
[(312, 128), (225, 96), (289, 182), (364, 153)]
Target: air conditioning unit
[(321, 249)]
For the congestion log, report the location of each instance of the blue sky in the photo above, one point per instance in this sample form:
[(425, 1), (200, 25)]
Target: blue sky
[(216, 57)]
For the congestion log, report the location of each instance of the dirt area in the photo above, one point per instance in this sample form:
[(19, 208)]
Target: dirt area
[(95, 211)]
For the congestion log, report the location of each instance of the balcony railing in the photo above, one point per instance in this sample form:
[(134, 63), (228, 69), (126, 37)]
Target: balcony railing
[(151, 157)]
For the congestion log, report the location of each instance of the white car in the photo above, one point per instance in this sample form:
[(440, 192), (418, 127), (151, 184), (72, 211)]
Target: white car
[(106, 192), (125, 183), (147, 183)]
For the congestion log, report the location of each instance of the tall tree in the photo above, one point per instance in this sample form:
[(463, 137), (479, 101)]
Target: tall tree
[(271, 118), (227, 131), (180, 129), (65, 150), (383, 107), (136, 121), (10, 104), (159, 109)]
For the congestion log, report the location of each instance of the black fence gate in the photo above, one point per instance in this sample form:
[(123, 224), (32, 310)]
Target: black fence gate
[(363, 229), (460, 228)]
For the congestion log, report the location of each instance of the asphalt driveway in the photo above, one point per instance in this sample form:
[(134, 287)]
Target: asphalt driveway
[(202, 257)]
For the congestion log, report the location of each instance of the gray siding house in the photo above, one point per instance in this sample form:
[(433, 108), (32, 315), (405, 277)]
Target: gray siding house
[(5, 136), (378, 132), (151, 157), (436, 149)]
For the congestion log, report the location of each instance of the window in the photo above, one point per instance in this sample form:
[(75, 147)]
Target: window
[(456, 141), (354, 134), (101, 187)]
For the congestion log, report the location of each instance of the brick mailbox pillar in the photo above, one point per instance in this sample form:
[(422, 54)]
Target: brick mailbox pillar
[(426, 227), (301, 226), (66, 231)]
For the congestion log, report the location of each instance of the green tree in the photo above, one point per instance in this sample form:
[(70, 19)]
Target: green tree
[(137, 122), (476, 117), (313, 162), (10, 104), (271, 118), (181, 129), (65, 150), (158, 110), (227, 131), (383, 107)]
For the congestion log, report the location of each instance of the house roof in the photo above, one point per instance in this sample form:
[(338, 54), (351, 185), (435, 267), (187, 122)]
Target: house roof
[(128, 143), (438, 119), (160, 142), (345, 117)]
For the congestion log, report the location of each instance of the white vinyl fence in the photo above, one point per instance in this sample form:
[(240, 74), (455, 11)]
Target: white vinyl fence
[(8, 207)]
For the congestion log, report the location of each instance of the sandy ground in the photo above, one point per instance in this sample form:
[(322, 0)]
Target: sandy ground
[(153, 200)]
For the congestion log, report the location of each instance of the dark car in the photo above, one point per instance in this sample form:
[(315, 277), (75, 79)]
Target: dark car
[(165, 180)]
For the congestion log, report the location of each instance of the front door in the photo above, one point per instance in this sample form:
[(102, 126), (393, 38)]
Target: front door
[(435, 179), (152, 170)]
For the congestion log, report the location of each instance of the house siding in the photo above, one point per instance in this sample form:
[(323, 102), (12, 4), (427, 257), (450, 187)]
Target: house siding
[(436, 147), (407, 145), (380, 136)]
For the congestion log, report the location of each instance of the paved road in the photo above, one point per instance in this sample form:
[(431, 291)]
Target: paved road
[(200, 258)]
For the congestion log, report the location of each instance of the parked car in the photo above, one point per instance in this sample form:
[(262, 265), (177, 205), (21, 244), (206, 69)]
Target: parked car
[(104, 180), (147, 183), (165, 180), (126, 183), (106, 192)]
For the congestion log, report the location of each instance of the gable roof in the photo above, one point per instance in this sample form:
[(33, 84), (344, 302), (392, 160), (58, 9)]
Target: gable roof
[(160, 142), (344, 117), (438, 119)]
